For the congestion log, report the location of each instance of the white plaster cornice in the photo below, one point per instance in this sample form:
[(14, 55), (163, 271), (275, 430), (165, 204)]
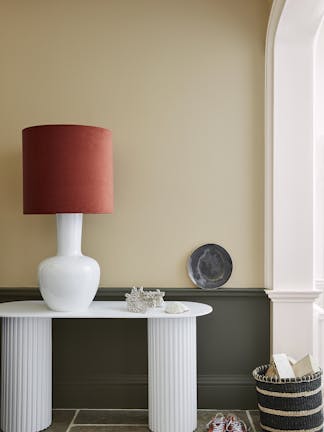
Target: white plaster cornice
[(291, 296)]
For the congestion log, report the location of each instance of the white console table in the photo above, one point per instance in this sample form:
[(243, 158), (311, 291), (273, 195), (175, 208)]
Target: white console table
[(26, 369)]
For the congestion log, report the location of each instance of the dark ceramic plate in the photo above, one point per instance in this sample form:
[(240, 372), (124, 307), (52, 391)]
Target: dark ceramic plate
[(209, 266)]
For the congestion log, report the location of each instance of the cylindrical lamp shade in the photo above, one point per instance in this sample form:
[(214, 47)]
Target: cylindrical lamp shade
[(67, 169)]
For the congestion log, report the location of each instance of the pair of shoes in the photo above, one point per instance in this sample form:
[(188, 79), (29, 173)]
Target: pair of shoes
[(234, 424), (217, 423), (230, 423)]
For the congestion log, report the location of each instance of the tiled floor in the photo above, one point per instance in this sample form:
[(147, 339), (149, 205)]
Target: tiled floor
[(129, 420)]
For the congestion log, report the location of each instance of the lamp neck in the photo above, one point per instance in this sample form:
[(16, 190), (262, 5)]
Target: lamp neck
[(69, 233)]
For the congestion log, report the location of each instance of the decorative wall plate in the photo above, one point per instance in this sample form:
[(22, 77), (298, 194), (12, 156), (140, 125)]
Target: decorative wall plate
[(209, 266)]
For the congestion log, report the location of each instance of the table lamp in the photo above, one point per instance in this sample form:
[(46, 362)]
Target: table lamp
[(67, 171)]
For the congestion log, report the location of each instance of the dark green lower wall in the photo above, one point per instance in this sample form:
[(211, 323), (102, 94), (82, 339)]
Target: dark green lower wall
[(103, 363)]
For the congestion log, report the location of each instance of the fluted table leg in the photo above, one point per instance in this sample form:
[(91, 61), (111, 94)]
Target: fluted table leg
[(26, 374), (172, 374)]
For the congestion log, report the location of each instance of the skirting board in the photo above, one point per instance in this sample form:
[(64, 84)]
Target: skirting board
[(103, 363)]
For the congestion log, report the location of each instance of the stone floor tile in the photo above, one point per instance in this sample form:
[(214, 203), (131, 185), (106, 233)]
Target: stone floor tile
[(135, 417), (107, 428), (61, 420), (131, 420), (256, 420)]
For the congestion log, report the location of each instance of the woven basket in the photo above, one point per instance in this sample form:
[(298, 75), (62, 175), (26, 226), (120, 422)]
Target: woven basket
[(292, 404)]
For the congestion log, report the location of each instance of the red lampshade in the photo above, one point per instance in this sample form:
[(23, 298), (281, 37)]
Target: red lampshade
[(67, 169)]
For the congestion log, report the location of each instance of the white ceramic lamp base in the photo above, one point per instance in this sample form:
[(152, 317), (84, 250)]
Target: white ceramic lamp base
[(69, 281)]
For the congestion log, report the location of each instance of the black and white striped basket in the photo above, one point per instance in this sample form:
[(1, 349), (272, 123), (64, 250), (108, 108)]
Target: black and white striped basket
[(293, 404)]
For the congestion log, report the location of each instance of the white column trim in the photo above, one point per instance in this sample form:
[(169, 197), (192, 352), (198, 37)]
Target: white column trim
[(319, 284), (289, 139), (275, 14), (289, 174), (293, 296), (319, 312)]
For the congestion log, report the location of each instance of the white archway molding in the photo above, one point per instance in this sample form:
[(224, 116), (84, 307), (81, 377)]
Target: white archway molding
[(290, 172)]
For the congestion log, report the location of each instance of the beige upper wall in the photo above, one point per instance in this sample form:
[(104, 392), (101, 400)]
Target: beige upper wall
[(180, 83)]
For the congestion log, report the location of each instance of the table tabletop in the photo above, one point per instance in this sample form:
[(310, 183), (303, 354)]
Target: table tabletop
[(97, 309)]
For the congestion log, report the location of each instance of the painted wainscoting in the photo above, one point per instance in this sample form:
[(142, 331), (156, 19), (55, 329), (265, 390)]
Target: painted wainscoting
[(103, 363)]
